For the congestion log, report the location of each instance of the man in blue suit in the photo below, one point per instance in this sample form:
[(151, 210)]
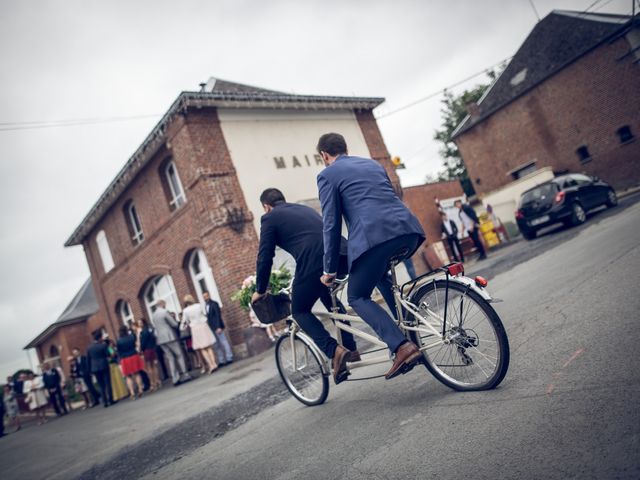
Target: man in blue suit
[(380, 227)]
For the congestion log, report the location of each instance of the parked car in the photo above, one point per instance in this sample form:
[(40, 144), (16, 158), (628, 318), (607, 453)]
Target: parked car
[(565, 199)]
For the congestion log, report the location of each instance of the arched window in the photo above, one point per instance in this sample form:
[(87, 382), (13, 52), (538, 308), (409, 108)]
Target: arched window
[(175, 186), (104, 251), (124, 311), (161, 288), (135, 227), (202, 277), (54, 352)]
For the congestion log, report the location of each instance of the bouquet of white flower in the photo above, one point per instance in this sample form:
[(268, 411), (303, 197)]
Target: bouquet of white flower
[(278, 280)]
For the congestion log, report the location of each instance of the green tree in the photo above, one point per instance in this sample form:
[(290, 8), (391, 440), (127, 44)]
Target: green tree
[(453, 112)]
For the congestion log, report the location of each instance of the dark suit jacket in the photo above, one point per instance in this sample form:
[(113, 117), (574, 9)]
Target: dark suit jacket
[(84, 369), (214, 315), (296, 229), (453, 226), (98, 357), (51, 379), (470, 213), (359, 190)]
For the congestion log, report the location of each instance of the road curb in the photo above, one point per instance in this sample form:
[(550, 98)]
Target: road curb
[(627, 192)]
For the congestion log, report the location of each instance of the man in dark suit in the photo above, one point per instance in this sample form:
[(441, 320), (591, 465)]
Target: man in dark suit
[(380, 227), (222, 348), (471, 224), (85, 372), (297, 229), (450, 234), (98, 359), (53, 379)]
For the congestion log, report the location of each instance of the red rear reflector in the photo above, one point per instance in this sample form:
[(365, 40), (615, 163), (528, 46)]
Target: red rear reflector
[(559, 197), (519, 214), (481, 281), (455, 269)]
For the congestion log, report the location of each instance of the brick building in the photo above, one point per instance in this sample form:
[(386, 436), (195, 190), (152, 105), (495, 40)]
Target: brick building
[(421, 199), (569, 99), (72, 329), (182, 216)]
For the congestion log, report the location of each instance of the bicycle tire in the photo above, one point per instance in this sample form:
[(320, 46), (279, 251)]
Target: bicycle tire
[(297, 380), (435, 362)]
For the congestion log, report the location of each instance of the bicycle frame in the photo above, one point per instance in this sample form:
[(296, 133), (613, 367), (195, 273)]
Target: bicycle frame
[(403, 307)]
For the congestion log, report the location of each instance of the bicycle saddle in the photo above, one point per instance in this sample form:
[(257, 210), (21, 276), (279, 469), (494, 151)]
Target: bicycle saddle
[(399, 256)]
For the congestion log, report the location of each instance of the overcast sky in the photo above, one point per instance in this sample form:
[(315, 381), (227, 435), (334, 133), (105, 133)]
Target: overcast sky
[(67, 60)]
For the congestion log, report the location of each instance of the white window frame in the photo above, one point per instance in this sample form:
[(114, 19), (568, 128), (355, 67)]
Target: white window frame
[(104, 251), (178, 197), (205, 275), (136, 225), (125, 312), (161, 288)]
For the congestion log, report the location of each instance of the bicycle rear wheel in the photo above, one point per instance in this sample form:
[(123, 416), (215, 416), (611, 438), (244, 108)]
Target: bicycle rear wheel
[(474, 352), (301, 370)]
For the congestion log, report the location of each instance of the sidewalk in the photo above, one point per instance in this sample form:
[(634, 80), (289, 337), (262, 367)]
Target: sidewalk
[(66, 447)]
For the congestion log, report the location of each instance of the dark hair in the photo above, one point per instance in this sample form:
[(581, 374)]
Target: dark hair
[(97, 336), (332, 143), (144, 321), (442, 214), (122, 331), (271, 196)]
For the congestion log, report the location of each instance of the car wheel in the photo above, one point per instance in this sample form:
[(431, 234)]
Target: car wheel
[(612, 198), (578, 215), (529, 234)]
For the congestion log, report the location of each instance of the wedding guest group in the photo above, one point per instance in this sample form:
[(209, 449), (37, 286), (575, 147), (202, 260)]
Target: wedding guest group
[(118, 368)]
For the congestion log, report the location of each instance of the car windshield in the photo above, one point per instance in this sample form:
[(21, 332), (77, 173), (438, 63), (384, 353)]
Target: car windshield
[(540, 193)]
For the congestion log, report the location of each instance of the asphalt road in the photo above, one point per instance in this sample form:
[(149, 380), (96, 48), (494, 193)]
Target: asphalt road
[(568, 407)]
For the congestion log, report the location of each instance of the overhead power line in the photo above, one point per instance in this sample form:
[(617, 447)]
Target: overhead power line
[(30, 125), (442, 90)]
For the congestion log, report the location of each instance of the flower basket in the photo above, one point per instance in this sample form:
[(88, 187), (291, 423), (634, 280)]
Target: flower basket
[(278, 280), (272, 308)]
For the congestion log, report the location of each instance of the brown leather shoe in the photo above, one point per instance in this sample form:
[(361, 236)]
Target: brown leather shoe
[(355, 356), (339, 364), (407, 356)]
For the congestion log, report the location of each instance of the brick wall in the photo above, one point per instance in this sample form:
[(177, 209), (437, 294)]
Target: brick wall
[(584, 104), (421, 201), (376, 145), (198, 149)]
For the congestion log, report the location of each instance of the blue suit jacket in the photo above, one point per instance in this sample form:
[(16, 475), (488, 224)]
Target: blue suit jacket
[(359, 190)]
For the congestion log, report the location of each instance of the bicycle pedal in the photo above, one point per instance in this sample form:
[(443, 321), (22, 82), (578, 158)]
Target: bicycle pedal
[(342, 377), (406, 368)]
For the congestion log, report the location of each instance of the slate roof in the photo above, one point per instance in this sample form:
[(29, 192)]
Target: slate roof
[(81, 307), (555, 42), (215, 93)]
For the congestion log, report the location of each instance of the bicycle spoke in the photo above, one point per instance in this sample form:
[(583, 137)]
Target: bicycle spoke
[(470, 353)]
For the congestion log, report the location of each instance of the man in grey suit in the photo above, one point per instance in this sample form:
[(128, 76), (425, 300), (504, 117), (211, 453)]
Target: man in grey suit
[(168, 341)]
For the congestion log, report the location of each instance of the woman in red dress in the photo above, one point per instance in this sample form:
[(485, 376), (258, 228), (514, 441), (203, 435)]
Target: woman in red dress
[(130, 361)]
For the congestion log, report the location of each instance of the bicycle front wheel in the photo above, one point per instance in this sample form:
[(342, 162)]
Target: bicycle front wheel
[(471, 351), (301, 370)]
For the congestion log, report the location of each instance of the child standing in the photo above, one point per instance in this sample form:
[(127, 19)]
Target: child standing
[(11, 406)]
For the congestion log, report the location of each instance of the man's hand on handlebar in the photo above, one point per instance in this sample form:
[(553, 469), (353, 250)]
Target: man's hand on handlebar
[(327, 280)]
